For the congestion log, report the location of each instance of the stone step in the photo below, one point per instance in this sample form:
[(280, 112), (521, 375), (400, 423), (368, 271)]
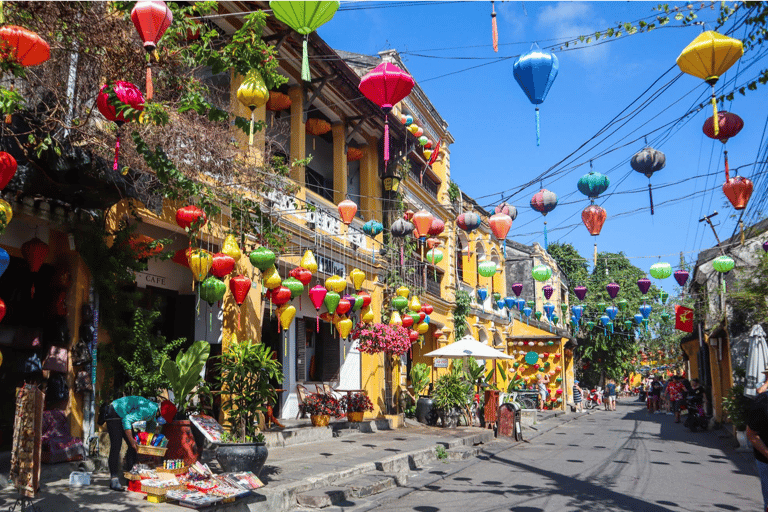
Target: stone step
[(304, 433), (354, 488), (463, 452)]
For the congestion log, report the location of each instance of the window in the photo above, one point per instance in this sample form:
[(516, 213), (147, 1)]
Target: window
[(460, 260), (319, 184), (319, 171), (428, 183)]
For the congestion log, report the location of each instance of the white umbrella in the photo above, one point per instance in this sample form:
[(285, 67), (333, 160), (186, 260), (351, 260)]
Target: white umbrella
[(757, 360), (468, 347)]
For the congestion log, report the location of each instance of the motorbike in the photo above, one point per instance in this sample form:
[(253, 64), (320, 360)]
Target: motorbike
[(696, 418), (593, 399)]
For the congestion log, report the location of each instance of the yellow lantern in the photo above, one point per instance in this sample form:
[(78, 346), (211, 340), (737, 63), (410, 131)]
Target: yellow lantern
[(286, 315), (367, 315), (6, 209), (308, 261), (413, 128), (427, 154), (272, 279), (422, 328), (358, 277), (403, 292), (414, 305), (395, 319), (231, 248), (336, 284), (200, 262), (252, 93), (344, 326), (708, 57)]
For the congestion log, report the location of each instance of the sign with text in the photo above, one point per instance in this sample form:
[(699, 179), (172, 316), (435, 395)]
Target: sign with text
[(440, 362)]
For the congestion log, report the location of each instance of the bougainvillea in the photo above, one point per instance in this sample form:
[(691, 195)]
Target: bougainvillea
[(375, 338), (357, 402), (316, 404)]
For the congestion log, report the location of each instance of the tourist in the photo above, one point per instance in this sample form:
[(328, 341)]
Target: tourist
[(610, 395), (577, 396), (542, 379)]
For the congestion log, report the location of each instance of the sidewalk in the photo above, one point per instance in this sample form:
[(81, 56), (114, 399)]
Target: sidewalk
[(349, 459)]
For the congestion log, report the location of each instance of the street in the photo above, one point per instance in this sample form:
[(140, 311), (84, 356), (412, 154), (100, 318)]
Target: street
[(627, 460)]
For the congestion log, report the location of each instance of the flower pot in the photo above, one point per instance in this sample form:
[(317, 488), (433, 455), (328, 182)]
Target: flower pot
[(320, 420), (450, 419), (744, 444), (181, 442), (425, 411), (236, 457), (355, 416)]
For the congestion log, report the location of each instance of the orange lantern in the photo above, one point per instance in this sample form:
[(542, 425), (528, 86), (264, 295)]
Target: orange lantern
[(422, 221), (738, 191), (278, 101), (593, 217), (354, 154), (347, 211), (23, 46), (317, 126)]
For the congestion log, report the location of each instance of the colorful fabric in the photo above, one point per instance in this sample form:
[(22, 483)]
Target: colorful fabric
[(675, 391), (134, 408)]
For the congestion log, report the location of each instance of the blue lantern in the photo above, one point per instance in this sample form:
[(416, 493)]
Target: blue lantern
[(535, 72), (509, 302), (408, 120), (645, 310), (612, 311), (521, 304), (500, 304), (549, 309), (373, 228), (482, 293), (577, 311), (527, 312), (638, 319), (5, 259), (605, 320), (426, 319)]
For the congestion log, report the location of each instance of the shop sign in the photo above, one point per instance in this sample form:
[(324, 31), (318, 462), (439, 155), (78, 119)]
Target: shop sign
[(330, 267), (440, 362), (144, 279)]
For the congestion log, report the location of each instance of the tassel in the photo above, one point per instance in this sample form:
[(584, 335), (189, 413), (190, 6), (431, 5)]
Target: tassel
[(250, 132), (239, 324), (285, 337), (150, 91), (402, 256), (538, 128), (386, 139), (715, 118), (546, 245), (727, 169), (305, 62), (504, 245), (650, 196), (117, 148), (494, 28), (317, 321)]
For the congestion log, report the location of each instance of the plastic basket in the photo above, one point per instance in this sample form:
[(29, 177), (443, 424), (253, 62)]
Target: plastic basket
[(151, 450)]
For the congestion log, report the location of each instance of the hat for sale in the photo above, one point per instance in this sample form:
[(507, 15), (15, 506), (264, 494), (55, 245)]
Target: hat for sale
[(167, 411)]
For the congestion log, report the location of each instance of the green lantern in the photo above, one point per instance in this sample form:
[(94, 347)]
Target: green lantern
[(486, 268), (212, 290), (590, 325), (550, 343), (304, 18), (496, 296), (537, 314), (723, 263), (399, 302), (555, 318), (663, 296), (434, 256), (627, 325), (262, 258), (331, 301), (359, 301), (601, 307), (530, 303), (664, 317), (416, 318), (294, 285), (541, 273), (423, 140), (623, 304), (661, 270)]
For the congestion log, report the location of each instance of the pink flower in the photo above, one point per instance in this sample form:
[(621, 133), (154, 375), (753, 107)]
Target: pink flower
[(376, 338)]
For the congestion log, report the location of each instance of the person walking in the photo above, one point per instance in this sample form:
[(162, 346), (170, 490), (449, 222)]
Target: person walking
[(656, 388), (120, 416), (542, 379), (610, 395), (577, 397), (676, 392)]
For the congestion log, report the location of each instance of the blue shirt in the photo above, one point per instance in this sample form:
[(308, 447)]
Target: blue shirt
[(135, 408)]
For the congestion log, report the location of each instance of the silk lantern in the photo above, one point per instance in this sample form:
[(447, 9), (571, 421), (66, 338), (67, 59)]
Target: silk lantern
[(317, 296), (436, 227), (343, 307), (367, 315), (372, 228), (200, 262), (151, 19), (593, 184), (5, 260), (287, 314), (336, 284), (644, 284), (344, 326), (623, 304), (482, 294), (648, 161), (414, 304), (127, 94), (661, 270), (544, 201), (723, 263), (729, 125), (646, 310), (331, 301), (308, 261), (6, 214), (681, 276), (302, 275), (294, 285), (253, 94), (190, 218), (593, 217), (181, 257), (486, 268), (580, 291), (535, 72), (8, 167), (395, 319), (403, 291), (278, 101), (517, 289), (386, 85), (231, 248), (262, 259), (506, 209), (366, 298), (548, 291), (212, 290), (468, 221), (500, 225), (612, 311), (358, 278), (407, 321), (422, 220), (434, 256), (613, 290), (738, 191), (347, 211), (541, 273), (399, 303), (271, 278), (34, 251), (222, 265)]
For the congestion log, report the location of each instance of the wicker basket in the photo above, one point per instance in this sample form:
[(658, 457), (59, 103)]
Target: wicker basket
[(151, 450), (177, 471), (160, 491)]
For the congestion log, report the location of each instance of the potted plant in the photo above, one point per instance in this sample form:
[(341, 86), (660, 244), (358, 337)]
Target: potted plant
[(321, 407), (356, 405), (451, 395), (424, 404), (246, 373), (185, 381), (736, 406)]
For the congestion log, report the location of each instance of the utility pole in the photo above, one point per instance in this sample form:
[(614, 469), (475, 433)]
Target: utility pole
[(708, 220)]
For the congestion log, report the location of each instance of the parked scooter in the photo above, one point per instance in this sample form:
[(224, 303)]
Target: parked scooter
[(696, 418), (593, 399)]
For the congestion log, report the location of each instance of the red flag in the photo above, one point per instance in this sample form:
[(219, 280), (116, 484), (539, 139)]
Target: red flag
[(683, 319), (433, 158)]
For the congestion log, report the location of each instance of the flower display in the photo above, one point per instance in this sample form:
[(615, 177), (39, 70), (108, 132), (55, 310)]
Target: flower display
[(375, 338), (317, 404), (357, 402)]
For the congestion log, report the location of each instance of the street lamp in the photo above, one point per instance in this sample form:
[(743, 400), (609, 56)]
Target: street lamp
[(391, 180)]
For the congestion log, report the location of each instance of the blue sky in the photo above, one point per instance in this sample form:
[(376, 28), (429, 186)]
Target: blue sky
[(493, 122)]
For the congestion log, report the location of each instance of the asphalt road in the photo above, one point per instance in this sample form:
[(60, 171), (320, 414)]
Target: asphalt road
[(627, 460)]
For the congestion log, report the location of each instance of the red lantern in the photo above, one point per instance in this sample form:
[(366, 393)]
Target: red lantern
[(593, 217), (317, 127), (427, 309), (433, 242), (422, 221), (2, 310), (343, 307), (408, 215), (413, 336), (422, 316), (730, 125), (151, 19), (126, 93), (281, 295), (386, 85), (436, 227), (222, 265), (141, 246), (407, 321), (34, 251), (302, 274), (239, 286), (500, 224), (354, 154), (347, 211), (278, 101), (181, 257), (8, 168), (738, 191), (23, 46), (190, 218), (366, 298)]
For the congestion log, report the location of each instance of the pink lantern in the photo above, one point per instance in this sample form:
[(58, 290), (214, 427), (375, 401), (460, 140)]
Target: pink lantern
[(126, 93), (317, 296), (347, 211), (437, 227)]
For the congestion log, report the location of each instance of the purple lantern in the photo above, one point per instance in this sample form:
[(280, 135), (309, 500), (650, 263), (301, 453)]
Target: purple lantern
[(644, 284), (548, 291), (681, 276), (581, 292), (612, 289), (765, 246), (517, 288)]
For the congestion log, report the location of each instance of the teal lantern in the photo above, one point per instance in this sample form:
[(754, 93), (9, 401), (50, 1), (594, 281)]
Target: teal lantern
[(661, 270), (486, 268), (590, 325), (373, 228), (593, 184), (564, 308), (601, 307), (723, 263), (532, 357), (541, 273), (537, 314), (555, 318), (623, 304), (531, 303), (664, 317), (663, 296)]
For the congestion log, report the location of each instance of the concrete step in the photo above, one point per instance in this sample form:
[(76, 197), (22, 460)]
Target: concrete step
[(354, 488), (463, 452), (303, 432)]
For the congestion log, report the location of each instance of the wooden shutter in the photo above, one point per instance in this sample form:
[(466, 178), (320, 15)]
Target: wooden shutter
[(301, 350)]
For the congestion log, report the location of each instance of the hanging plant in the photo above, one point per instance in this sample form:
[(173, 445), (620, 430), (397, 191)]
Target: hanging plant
[(377, 338)]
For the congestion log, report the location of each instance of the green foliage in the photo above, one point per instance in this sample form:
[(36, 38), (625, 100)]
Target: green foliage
[(453, 191), (419, 378), (452, 389), (146, 352), (736, 406), (460, 312), (440, 452), (184, 374), (750, 293), (10, 101), (246, 371)]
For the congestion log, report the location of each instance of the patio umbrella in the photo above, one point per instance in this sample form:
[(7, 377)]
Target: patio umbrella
[(757, 360), (468, 347)]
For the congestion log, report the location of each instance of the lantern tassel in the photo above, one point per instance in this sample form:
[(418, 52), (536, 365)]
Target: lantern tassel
[(250, 132), (504, 245), (402, 256), (546, 245), (538, 128), (386, 139), (285, 345), (650, 196), (317, 321), (117, 149), (305, 61), (150, 90), (494, 29), (715, 119), (727, 169)]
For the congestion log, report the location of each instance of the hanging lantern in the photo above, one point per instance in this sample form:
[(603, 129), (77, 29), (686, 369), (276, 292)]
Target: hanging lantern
[(344, 306), (427, 309), (549, 309), (645, 310), (212, 290), (395, 319), (271, 278), (544, 202), (344, 326), (419, 132), (373, 228), (336, 284), (181, 257), (729, 125), (262, 259), (665, 317), (8, 168), (580, 291), (647, 162), (548, 291), (423, 140), (294, 286), (541, 273), (500, 225), (644, 284), (331, 301), (623, 304), (126, 93), (5, 260), (386, 85), (151, 19), (708, 57), (190, 218), (231, 248), (23, 46), (367, 315), (354, 154), (399, 302), (222, 265), (661, 270), (280, 295), (486, 268), (613, 290), (612, 311), (723, 263), (511, 302), (358, 278), (535, 72), (434, 256), (317, 127), (681, 276), (593, 217), (278, 101), (738, 191), (287, 314), (6, 214), (593, 184), (663, 296), (402, 291), (407, 321), (308, 261), (482, 294), (433, 242), (422, 221), (517, 289), (520, 303), (436, 227), (253, 94), (317, 296), (506, 209), (601, 306), (34, 251), (200, 262), (427, 154), (577, 311), (414, 304), (304, 18), (347, 211), (468, 221), (401, 228)]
